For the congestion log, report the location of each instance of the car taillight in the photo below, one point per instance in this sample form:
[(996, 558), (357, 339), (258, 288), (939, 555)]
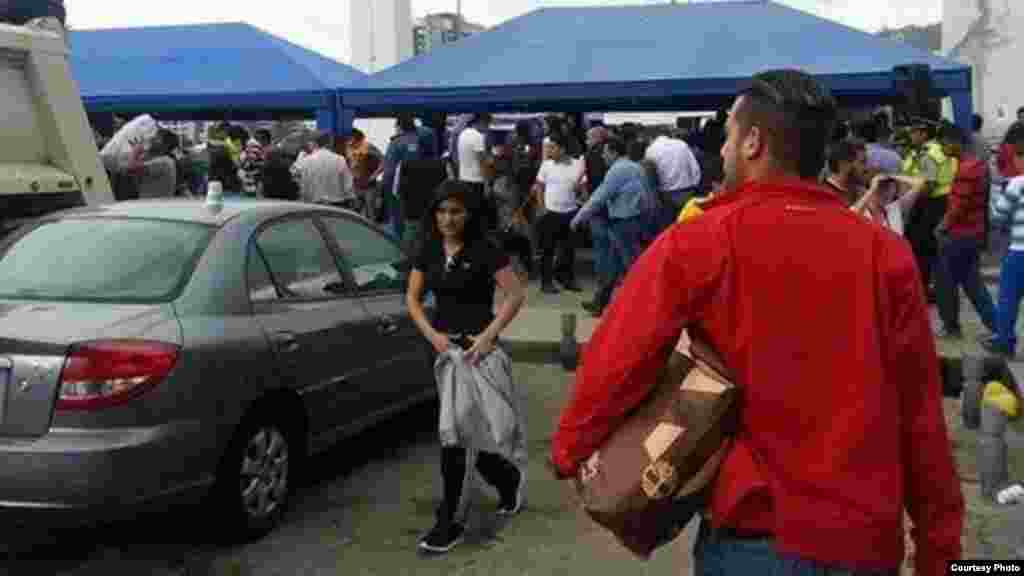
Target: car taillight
[(108, 373)]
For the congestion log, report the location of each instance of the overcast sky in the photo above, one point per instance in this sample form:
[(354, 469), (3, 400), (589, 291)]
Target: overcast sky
[(322, 24)]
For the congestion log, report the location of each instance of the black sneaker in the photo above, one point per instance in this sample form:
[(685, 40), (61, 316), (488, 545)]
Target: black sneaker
[(948, 334), (512, 504), (444, 536)]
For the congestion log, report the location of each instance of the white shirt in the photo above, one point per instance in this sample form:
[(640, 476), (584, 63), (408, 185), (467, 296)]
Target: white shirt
[(471, 145), (559, 180), (323, 176), (677, 166)]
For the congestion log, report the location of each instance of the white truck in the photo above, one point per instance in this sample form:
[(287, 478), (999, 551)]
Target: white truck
[(48, 155)]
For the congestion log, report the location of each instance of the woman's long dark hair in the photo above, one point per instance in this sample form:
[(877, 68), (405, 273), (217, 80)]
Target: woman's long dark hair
[(463, 193)]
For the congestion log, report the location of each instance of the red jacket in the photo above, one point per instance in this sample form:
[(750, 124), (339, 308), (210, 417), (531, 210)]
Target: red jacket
[(821, 318), (1004, 161), (965, 214)]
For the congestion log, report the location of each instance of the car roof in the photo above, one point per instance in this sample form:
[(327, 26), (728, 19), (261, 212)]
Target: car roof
[(194, 210)]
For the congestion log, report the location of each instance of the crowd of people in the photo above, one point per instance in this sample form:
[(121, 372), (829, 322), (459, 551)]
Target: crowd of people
[(951, 197)]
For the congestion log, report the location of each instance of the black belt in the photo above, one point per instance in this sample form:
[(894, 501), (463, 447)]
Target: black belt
[(738, 534), (730, 533)]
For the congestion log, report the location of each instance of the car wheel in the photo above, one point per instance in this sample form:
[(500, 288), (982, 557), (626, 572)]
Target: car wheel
[(256, 477)]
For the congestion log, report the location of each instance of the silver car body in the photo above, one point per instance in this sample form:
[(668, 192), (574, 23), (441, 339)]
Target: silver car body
[(337, 364)]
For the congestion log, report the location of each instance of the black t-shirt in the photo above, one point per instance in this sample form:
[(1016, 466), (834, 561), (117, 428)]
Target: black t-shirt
[(464, 287)]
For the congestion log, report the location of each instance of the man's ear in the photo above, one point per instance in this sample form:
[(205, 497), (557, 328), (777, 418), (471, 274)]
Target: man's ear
[(753, 145)]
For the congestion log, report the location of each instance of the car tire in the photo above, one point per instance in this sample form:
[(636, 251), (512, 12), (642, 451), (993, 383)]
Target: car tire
[(256, 477)]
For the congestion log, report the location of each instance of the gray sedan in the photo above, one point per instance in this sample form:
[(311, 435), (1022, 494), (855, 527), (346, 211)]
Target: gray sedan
[(162, 348)]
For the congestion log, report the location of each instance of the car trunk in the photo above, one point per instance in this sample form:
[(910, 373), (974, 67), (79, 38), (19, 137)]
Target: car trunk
[(35, 340)]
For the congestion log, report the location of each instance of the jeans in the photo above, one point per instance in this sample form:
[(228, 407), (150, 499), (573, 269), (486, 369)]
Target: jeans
[(600, 231), (1011, 288), (959, 267), (721, 556), (627, 237)]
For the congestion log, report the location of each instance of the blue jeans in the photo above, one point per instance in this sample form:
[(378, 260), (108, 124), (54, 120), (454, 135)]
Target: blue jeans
[(1011, 288), (720, 556), (600, 231), (627, 238), (959, 267)]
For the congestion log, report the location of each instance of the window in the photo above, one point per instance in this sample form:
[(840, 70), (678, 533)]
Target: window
[(102, 260), (377, 262), (300, 263), (261, 285)]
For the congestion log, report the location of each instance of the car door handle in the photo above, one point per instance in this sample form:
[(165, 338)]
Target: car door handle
[(286, 342)]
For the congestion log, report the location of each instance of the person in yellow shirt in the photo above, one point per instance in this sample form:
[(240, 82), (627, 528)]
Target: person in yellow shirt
[(927, 160)]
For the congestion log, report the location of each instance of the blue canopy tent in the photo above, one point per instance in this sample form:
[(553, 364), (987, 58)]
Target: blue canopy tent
[(657, 57), (208, 71)]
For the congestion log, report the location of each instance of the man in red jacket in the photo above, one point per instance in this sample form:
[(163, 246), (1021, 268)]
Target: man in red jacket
[(961, 235), (821, 318)]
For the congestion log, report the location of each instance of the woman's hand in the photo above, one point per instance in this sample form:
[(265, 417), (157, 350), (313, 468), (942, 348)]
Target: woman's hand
[(440, 342), (483, 344)]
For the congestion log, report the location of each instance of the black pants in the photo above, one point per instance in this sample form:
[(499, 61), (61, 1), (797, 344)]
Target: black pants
[(557, 236), (495, 470), (926, 215)]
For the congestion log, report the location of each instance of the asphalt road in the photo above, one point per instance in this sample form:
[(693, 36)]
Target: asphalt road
[(361, 511)]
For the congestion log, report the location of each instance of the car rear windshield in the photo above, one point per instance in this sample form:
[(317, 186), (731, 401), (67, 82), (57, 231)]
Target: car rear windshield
[(101, 259)]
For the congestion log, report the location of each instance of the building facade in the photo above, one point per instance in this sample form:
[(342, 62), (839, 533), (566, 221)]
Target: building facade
[(434, 30), (380, 38), (988, 35)]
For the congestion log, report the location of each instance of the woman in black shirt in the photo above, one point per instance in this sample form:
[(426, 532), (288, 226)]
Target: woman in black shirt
[(463, 269)]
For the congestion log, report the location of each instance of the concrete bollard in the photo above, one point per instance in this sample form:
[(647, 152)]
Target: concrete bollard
[(568, 350), (993, 471), (973, 388)]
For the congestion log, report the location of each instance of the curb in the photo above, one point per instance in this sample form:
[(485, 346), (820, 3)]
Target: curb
[(533, 351)]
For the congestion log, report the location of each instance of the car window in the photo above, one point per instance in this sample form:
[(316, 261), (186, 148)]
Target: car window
[(261, 285), (375, 260), (102, 259), (300, 263)]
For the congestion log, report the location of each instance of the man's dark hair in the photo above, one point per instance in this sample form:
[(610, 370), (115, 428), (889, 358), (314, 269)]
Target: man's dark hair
[(238, 133), (616, 145), (866, 131), (977, 122), (561, 140), (166, 142), (843, 151), (796, 114), (325, 140), (358, 134), (406, 122), (1020, 110), (637, 150), (1016, 139)]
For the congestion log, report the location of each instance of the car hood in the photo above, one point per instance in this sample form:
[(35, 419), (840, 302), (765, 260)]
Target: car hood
[(64, 323)]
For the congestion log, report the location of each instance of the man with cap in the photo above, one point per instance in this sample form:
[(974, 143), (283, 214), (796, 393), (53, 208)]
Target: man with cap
[(927, 160)]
